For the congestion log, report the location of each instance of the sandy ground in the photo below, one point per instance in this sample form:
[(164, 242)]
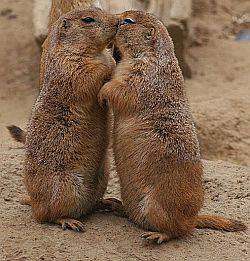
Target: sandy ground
[(219, 87)]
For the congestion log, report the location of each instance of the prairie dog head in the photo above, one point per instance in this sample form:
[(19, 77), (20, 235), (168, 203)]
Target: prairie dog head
[(86, 31), (142, 33)]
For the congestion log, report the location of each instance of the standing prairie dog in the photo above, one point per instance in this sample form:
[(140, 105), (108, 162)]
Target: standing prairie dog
[(66, 139), (155, 144)]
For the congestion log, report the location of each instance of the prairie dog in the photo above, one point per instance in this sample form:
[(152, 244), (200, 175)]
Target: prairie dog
[(155, 144), (66, 139)]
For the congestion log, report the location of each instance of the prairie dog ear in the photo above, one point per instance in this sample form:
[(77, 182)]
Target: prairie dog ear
[(150, 34), (65, 24)]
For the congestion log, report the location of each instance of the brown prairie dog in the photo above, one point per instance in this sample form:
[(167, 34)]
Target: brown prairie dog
[(155, 144), (66, 139)]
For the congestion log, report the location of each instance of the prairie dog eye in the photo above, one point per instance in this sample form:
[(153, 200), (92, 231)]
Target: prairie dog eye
[(129, 21), (88, 20)]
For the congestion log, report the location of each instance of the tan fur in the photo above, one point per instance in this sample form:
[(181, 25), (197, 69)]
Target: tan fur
[(58, 8), (66, 139), (155, 144)]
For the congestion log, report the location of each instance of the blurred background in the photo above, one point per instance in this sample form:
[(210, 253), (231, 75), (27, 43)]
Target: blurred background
[(212, 41)]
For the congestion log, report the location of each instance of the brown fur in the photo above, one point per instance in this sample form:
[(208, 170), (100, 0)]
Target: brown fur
[(155, 144), (66, 139), (58, 8)]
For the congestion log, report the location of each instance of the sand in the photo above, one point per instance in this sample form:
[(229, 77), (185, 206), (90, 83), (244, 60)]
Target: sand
[(219, 95)]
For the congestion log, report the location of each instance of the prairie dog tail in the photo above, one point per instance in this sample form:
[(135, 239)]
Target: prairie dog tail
[(17, 133), (220, 223)]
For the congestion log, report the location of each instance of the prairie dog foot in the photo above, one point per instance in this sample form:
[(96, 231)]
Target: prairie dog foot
[(156, 237), (70, 223), (113, 205), (26, 200)]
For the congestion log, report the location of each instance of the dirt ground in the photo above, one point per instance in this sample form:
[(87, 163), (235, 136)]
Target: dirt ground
[(220, 88), (219, 95)]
